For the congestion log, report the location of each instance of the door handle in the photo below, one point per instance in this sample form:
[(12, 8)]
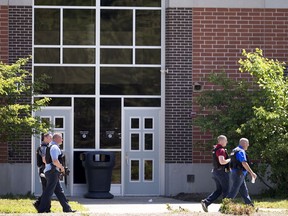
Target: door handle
[(127, 159)]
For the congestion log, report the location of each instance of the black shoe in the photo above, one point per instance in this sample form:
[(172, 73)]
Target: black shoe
[(36, 205), (204, 205), (71, 211)]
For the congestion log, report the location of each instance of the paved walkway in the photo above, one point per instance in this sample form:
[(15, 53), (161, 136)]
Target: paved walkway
[(141, 205)]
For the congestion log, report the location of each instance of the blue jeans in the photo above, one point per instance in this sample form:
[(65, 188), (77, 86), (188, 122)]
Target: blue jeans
[(53, 186), (239, 185), (221, 179)]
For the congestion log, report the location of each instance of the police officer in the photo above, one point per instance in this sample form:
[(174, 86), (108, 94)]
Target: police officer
[(220, 172), (52, 171), (41, 153), (240, 167)]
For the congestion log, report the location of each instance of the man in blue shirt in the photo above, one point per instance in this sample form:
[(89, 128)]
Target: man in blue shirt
[(240, 168), (52, 172)]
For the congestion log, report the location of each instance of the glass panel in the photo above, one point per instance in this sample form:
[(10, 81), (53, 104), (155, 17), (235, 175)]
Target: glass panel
[(130, 81), (134, 170), (148, 56), (66, 2), (148, 123), (148, 142), (59, 122), (116, 56), (84, 123), (116, 173), (79, 170), (142, 102), (46, 55), (47, 27), (116, 27), (134, 142), (146, 3), (79, 27), (56, 101), (148, 170), (110, 123), (79, 56), (135, 123), (46, 120), (148, 28), (67, 80)]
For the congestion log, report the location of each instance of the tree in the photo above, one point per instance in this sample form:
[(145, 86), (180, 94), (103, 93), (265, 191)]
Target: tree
[(257, 110), (16, 107)]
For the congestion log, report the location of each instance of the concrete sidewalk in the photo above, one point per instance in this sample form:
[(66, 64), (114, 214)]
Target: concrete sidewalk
[(141, 206)]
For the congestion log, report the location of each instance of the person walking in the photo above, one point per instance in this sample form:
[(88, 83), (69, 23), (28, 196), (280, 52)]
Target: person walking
[(41, 161), (52, 171), (240, 167), (220, 172)]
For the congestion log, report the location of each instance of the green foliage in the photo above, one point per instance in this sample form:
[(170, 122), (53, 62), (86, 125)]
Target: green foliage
[(226, 108), (229, 207), (16, 91), (257, 110), (269, 125)]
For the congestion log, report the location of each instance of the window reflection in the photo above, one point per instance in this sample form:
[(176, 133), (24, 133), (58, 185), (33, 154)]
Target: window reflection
[(146, 3), (116, 27), (47, 26), (110, 123), (47, 55), (116, 56), (130, 81), (148, 28), (84, 123), (66, 2), (79, 56), (148, 56), (79, 27), (67, 80)]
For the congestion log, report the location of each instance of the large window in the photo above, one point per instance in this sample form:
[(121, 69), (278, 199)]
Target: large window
[(98, 56)]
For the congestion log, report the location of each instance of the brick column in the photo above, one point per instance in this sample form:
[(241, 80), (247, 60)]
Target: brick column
[(178, 85)]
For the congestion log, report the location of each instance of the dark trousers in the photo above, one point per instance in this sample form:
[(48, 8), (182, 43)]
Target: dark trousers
[(53, 186), (43, 183), (239, 185), (221, 179)]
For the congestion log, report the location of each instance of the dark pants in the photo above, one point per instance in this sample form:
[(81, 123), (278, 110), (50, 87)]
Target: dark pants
[(53, 186), (221, 179), (43, 183), (239, 185)]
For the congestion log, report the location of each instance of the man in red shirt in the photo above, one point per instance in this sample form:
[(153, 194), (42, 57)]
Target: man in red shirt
[(220, 172)]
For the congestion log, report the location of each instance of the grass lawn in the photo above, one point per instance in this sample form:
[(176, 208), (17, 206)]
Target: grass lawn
[(24, 205)]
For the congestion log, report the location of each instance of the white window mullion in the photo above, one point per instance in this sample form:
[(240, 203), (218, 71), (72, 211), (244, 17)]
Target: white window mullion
[(61, 36), (134, 38), (97, 75)]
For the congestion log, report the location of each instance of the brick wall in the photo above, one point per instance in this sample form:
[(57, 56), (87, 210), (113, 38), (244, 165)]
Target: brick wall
[(220, 34), (178, 136), (20, 46), (3, 58), (4, 33)]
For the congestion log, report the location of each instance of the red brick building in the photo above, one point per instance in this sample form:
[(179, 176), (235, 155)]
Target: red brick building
[(126, 73)]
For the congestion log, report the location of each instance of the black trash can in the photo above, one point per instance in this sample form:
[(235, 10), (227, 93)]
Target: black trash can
[(98, 171)]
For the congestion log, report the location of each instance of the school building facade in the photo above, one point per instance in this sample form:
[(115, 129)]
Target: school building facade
[(123, 75)]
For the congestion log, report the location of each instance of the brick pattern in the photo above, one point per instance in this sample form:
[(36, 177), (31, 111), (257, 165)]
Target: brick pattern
[(4, 34), (20, 46), (178, 148), (219, 35)]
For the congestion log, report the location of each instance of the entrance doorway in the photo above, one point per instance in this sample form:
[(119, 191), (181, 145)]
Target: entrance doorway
[(60, 118), (141, 152)]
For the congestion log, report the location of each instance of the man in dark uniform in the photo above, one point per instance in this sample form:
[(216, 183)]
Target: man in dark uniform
[(41, 153), (52, 171), (220, 172), (240, 168)]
